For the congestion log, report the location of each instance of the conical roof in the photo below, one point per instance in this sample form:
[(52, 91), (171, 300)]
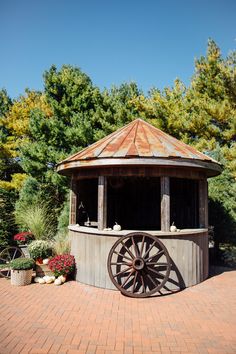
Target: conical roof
[(136, 140)]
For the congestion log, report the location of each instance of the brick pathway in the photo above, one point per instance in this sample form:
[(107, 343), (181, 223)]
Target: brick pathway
[(76, 318)]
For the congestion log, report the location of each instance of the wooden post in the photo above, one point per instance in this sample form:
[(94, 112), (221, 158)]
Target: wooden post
[(203, 203), (73, 202), (165, 203), (102, 202)]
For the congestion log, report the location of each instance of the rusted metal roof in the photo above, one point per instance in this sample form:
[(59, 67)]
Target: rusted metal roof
[(138, 139)]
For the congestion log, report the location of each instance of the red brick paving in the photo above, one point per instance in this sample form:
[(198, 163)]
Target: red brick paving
[(75, 319)]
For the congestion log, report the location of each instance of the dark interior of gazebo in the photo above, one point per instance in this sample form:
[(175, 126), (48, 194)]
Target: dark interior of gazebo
[(135, 202)]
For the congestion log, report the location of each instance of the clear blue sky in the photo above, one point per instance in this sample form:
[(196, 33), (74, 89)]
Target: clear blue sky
[(113, 41)]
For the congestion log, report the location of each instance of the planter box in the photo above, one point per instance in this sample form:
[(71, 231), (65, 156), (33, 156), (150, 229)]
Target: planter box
[(42, 270), (21, 277)]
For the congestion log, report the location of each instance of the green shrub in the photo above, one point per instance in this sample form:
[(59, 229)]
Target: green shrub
[(37, 218), (22, 264), (40, 249), (62, 244)]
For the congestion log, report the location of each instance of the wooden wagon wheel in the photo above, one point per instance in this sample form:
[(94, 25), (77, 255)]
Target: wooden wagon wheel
[(138, 264), (6, 256)]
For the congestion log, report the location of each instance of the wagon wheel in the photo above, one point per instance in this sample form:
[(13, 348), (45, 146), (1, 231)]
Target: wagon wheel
[(6, 256), (139, 264)]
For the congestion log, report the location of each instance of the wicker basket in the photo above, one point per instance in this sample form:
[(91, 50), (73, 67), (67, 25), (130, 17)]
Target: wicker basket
[(21, 277)]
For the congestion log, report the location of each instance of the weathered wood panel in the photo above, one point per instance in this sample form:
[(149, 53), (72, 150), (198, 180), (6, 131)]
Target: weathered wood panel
[(189, 258), (141, 171), (165, 203), (73, 202), (203, 203), (102, 202)]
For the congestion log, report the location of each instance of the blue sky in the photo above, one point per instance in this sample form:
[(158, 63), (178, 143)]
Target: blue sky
[(151, 42)]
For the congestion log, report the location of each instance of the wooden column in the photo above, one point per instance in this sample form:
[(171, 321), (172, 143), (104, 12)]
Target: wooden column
[(102, 202), (203, 203), (165, 203), (73, 202)]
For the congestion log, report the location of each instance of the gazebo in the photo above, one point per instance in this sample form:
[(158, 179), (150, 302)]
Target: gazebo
[(145, 180)]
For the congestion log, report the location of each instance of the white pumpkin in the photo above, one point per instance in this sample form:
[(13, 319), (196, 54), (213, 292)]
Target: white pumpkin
[(173, 228), (62, 278), (57, 281), (36, 279), (45, 261), (41, 281), (116, 227)]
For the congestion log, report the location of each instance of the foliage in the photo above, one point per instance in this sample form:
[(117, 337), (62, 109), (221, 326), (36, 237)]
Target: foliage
[(62, 264), (22, 264), (229, 255), (62, 244), (7, 220), (40, 249), (37, 218)]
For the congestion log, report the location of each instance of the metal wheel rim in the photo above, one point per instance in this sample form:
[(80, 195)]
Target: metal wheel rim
[(143, 255), (6, 256)]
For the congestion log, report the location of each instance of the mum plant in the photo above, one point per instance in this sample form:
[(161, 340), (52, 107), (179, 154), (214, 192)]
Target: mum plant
[(62, 264), (40, 249), (23, 237)]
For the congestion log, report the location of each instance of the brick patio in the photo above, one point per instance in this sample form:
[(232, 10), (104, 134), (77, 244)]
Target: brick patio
[(76, 318)]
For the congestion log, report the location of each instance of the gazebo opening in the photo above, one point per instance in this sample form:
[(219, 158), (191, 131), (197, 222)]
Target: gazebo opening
[(184, 206), (87, 207), (134, 202)]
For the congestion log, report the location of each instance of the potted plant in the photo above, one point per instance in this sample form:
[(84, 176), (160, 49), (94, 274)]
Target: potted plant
[(23, 239), (40, 250), (21, 271), (62, 265)]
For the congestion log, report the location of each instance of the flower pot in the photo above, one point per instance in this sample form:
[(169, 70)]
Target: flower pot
[(42, 270), (21, 277), (24, 249)]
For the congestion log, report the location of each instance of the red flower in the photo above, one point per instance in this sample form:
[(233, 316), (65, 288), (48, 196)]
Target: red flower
[(62, 264)]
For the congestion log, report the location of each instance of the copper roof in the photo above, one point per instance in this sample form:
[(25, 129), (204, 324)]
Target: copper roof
[(135, 140)]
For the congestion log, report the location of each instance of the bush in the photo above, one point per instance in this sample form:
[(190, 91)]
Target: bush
[(7, 220), (63, 264), (62, 243), (38, 219), (22, 264), (40, 249)]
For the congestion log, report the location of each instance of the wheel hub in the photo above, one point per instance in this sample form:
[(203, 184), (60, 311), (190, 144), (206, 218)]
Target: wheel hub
[(138, 263)]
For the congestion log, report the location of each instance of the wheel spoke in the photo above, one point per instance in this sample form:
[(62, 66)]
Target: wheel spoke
[(158, 264), (142, 245), (130, 253), (120, 254), (121, 263), (13, 257), (134, 282), (121, 272), (150, 248), (151, 279), (159, 253), (135, 247), (126, 280), (144, 289)]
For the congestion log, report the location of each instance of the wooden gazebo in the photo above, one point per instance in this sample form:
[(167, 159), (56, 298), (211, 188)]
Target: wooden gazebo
[(143, 179)]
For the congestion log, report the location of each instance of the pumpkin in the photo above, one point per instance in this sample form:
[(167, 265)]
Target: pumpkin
[(116, 227), (173, 228), (57, 281)]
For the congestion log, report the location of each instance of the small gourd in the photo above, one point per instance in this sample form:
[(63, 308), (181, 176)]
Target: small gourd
[(173, 228), (57, 281), (36, 279), (62, 278), (116, 227), (41, 281), (45, 261)]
